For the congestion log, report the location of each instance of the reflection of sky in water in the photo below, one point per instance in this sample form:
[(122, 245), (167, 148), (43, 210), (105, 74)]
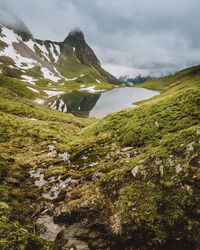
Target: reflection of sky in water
[(99, 105), (118, 99)]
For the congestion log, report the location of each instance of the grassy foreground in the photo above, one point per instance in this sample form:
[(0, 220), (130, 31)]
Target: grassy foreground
[(138, 169), (26, 130), (147, 161)]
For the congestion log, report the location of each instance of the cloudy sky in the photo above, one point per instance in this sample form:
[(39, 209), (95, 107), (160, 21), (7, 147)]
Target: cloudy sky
[(129, 36)]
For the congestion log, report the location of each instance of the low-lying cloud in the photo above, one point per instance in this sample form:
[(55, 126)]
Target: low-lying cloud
[(9, 19)]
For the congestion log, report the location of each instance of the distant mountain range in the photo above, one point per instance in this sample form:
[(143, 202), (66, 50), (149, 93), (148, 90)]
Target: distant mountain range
[(131, 81)]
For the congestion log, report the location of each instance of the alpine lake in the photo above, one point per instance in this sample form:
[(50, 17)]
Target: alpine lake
[(99, 104)]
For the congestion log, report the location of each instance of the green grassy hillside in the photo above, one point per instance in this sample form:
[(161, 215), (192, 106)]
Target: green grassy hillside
[(26, 130), (137, 171), (147, 162), (186, 78)]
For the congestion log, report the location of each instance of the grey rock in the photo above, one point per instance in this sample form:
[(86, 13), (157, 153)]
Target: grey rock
[(127, 149), (134, 171)]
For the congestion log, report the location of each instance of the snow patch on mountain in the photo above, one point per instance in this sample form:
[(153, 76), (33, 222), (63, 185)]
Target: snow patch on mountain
[(49, 75), (92, 90), (72, 79), (44, 51), (57, 47), (53, 53), (20, 61), (9, 37), (39, 101), (61, 105), (34, 90), (30, 44), (53, 93), (28, 79)]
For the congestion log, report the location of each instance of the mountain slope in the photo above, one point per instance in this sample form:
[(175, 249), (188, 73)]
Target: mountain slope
[(182, 79), (141, 167), (86, 55), (50, 66)]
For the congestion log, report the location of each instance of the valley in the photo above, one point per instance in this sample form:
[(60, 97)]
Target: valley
[(127, 181)]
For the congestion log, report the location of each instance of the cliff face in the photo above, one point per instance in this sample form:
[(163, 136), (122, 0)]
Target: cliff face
[(86, 55)]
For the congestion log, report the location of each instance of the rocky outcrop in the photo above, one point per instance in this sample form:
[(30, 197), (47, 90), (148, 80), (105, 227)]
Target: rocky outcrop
[(86, 55)]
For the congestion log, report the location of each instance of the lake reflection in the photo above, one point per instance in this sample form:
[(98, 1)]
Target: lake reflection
[(84, 104)]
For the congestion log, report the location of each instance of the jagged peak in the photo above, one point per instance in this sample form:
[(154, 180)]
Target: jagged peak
[(74, 36), (76, 32)]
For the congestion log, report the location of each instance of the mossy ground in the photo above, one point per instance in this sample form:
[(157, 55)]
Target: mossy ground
[(138, 169), (22, 142), (152, 191)]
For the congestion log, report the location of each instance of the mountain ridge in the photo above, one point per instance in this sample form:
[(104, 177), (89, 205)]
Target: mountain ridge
[(49, 65)]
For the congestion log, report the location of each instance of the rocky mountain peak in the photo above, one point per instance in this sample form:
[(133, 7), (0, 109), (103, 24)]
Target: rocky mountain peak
[(86, 55), (76, 34), (75, 38)]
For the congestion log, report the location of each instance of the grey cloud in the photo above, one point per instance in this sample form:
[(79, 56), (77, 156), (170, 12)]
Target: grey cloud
[(149, 35), (8, 18)]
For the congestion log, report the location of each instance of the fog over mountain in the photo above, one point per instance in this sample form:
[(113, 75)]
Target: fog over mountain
[(9, 19), (129, 37)]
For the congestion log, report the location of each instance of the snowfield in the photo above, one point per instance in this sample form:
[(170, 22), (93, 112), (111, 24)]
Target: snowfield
[(30, 44), (9, 37), (53, 53), (57, 47), (61, 106), (92, 90), (18, 59), (34, 90), (28, 79), (72, 79), (44, 51), (39, 101), (31, 119), (49, 75), (53, 93)]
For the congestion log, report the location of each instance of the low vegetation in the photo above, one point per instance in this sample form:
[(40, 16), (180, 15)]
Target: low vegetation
[(147, 165), (137, 170)]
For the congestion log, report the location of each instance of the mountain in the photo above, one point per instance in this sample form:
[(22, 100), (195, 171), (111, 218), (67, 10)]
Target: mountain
[(51, 65), (86, 55), (128, 181)]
